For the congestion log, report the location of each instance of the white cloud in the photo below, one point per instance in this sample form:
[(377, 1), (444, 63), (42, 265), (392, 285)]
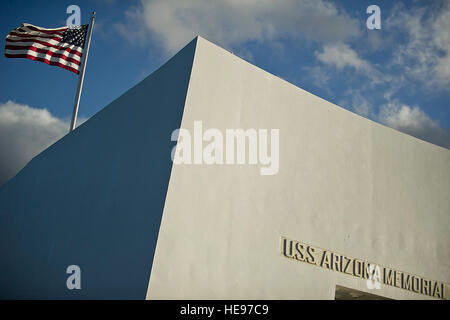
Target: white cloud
[(233, 22), (318, 75), (424, 54), (376, 41), (413, 121), (341, 55), (356, 100), (25, 132), (441, 38), (361, 105)]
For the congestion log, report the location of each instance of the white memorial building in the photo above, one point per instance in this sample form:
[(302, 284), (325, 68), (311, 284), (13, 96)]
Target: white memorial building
[(275, 193)]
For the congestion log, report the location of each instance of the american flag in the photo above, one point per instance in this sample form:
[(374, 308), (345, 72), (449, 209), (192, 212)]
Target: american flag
[(62, 47)]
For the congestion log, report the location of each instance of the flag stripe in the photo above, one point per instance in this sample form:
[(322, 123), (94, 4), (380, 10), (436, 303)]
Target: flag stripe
[(23, 45), (53, 63), (63, 55), (28, 29), (45, 30), (29, 54), (41, 55), (77, 50), (48, 42), (24, 34)]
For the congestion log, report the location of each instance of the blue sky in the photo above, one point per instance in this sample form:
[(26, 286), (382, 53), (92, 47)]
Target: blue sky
[(398, 75)]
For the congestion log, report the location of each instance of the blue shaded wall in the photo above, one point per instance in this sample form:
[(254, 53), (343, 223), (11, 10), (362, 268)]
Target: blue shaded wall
[(95, 198)]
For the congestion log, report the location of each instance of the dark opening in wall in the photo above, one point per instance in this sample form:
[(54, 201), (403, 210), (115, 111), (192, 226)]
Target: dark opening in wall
[(343, 293)]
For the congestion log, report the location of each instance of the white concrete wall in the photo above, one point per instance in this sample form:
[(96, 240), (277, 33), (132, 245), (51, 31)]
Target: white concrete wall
[(95, 198), (345, 184)]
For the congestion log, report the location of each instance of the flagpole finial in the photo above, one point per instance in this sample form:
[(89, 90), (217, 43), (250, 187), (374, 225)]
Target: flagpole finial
[(93, 13)]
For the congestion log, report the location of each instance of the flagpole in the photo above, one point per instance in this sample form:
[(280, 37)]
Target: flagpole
[(81, 77)]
